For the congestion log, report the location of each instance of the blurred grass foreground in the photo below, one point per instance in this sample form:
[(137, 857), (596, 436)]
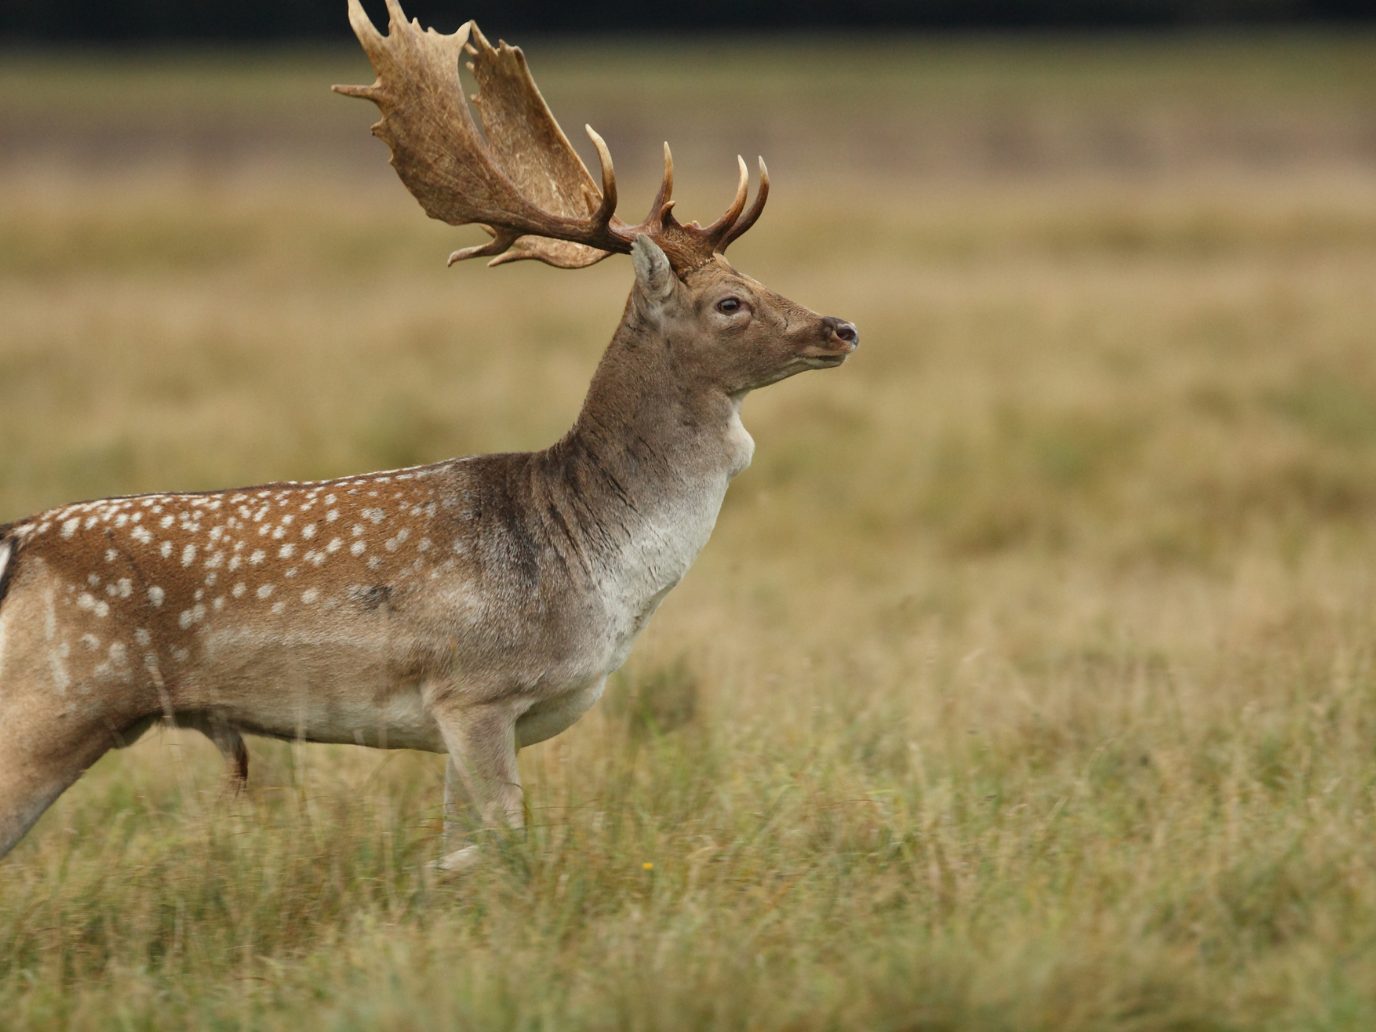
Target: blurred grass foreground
[(1029, 681)]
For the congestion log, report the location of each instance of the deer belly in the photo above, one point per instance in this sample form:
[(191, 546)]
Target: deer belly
[(316, 692), (552, 715), (396, 721)]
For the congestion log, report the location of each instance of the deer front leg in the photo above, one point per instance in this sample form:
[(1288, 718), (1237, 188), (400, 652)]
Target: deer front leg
[(482, 785)]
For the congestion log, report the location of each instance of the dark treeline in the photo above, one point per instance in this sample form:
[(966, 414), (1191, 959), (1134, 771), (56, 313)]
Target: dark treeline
[(126, 21)]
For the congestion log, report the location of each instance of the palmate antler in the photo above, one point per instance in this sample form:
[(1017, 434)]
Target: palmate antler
[(519, 177)]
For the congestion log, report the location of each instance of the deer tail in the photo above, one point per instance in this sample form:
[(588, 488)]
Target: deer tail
[(8, 547)]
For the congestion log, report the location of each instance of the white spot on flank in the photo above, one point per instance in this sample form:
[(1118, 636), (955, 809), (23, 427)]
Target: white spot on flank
[(188, 555), (308, 531), (257, 557), (358, 530), (334, 546), (56, 653), (166, 521), (278, 608), (239, 590), (332, 515), (141, 535), (310, 595), (69, 526), (156, 595), (376, 515), (358, 547), (111, 555), (265, 591), (165, 548), (285, 552), (142, 636)]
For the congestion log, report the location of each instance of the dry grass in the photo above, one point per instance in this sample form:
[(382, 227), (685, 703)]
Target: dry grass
[(1028, 682)]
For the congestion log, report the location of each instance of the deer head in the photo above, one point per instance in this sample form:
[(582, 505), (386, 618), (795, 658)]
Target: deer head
[(521, 180)]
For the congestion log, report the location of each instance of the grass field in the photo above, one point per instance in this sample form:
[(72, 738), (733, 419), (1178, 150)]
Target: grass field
[(1029, 680)]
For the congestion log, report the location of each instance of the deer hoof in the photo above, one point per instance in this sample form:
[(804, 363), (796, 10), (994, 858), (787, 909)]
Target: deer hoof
[(460, 860)]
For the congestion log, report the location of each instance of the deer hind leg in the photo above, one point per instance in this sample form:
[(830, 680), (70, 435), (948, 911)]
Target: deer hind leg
[(51, 731), (39, 760), (47, 737), (482, 785)]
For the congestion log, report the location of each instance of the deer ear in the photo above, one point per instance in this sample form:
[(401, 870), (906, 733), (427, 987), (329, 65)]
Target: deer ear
[(653, 274)]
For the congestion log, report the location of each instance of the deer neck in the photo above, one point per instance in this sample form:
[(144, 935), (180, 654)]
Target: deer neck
[(654, 416), (640, 478)]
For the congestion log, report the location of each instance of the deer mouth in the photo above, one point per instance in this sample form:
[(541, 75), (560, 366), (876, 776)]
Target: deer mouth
[(819, 358)]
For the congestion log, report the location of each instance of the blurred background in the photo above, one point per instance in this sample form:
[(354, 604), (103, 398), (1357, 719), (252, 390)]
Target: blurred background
[(66, 20), (1044, 625)]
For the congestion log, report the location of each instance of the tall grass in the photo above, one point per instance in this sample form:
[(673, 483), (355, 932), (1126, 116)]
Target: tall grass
[(1029, 680)]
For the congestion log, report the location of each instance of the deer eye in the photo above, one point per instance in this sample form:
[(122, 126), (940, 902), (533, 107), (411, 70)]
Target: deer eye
[(729, 305)]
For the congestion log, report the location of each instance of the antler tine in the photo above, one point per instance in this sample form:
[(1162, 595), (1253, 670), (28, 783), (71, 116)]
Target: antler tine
[(371, 41), (752, 216), (728, 219), (502, 239), (663, 203), (603, 215)]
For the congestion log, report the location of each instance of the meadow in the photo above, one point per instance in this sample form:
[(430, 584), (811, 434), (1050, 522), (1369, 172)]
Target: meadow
[(1029, 679)]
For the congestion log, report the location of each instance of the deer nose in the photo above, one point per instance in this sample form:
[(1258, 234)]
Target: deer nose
[(843, 330)]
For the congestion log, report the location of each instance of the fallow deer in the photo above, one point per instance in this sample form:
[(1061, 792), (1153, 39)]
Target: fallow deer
[(469, 607)]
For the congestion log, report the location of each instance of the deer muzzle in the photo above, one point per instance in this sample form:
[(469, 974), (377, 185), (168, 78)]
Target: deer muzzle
[(842, 331), (839, 339)]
